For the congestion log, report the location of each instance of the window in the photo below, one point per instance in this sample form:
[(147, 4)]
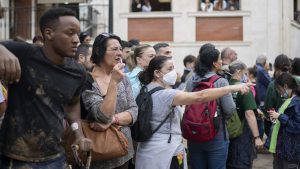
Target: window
[(297, 10), (219, 5), (150, 5)]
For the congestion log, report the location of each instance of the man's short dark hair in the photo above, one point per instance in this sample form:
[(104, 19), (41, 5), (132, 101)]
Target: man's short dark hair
[(50, 17), (134, 42), (125, 44), (82, 49), (160, 45), (296, 66), (189, 59)]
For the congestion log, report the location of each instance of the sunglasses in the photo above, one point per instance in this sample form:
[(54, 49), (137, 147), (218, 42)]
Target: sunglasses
[(104, 36)]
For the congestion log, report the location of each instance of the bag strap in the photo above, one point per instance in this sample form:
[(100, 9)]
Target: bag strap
[(165, 119), (155, 89), (214, 78)]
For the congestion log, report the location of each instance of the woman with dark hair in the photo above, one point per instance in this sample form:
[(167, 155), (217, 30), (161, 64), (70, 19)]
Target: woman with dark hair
[(286, 132), (273, 100), (107, 97), (84, 38), (211, 154), (158, 152)]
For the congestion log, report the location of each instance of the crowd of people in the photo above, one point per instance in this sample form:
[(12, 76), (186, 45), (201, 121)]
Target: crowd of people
[(62, 78)]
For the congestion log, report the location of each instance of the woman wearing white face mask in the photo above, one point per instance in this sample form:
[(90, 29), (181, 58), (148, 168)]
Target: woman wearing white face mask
[(159, 151)]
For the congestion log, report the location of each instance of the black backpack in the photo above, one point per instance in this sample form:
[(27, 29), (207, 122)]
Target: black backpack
[(142, 130)]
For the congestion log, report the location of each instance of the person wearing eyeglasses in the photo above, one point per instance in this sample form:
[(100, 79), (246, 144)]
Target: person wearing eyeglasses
[(107, 96)]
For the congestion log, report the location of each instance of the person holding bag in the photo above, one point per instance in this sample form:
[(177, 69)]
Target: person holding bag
[(107, 97)]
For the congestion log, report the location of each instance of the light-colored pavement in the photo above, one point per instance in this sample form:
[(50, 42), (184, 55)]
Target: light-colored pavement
[(263, 161)]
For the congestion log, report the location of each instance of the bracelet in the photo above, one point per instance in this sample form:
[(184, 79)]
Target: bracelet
[(256, 137), (74, 126), (117, 121)]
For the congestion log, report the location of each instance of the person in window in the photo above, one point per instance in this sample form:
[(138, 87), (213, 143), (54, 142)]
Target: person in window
[(207, 6), (146, 6), (233, 5), (220, 5), (136, 6)]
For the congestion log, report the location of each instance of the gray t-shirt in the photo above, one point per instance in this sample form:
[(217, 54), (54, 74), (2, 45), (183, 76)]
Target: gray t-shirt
[(162, 104)]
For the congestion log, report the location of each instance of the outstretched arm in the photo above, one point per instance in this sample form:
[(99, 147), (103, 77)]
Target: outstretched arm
[(187, 98)]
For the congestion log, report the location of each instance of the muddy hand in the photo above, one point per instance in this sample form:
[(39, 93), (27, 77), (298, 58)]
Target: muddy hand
[(10, 69), (85, 144)]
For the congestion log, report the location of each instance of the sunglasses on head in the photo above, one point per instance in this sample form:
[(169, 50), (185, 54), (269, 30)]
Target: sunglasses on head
[(104, 36)]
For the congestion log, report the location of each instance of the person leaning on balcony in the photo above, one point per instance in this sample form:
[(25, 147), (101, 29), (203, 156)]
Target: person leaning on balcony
[(220, 5), (207, 6), (136, 6), (146, 6), (107, 97)]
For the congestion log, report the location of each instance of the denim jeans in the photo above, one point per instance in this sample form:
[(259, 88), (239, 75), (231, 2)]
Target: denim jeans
[(58, 163), (209, 155), (260, 124)]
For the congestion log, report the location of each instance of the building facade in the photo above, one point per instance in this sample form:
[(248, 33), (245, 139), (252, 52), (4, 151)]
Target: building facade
[(258, 27)]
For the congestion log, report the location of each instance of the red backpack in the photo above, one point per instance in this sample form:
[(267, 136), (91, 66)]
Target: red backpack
[(200, 121)]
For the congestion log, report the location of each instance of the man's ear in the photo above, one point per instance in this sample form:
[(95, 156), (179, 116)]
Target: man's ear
[(48, 33)]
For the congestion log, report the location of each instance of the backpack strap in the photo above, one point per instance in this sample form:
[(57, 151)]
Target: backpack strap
[(214, 78), (165, 119), (155, 89)]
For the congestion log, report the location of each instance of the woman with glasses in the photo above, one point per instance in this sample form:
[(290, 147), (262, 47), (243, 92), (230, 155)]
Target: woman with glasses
[(107, 97)]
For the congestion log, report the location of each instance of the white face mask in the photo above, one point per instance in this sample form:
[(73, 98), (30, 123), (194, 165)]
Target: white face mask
[(170, 78)]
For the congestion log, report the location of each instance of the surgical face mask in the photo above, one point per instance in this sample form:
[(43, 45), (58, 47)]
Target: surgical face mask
[(244, 79), (285, 95), (170, 78)]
